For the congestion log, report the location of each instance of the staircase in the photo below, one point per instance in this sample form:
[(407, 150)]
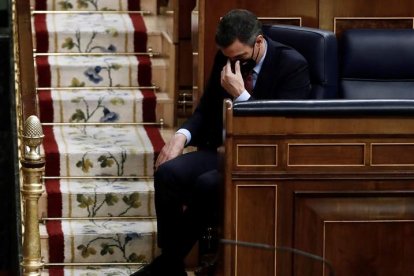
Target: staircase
[(105, 83)]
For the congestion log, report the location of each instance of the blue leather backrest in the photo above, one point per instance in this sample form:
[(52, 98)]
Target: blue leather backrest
[(319, 47), (377, 64)]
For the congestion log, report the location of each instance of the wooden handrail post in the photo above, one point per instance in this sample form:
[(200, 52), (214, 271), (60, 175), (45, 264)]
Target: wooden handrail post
[(33, 167), (23, 55)]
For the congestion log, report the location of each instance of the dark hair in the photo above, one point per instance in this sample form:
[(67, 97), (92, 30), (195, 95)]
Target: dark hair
[(238, 24)]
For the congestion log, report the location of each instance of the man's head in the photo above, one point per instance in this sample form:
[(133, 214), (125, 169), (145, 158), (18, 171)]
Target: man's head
[(239, 25), (240, 37)]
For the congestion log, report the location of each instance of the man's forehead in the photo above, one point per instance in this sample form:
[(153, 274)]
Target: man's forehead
[(235, 49)]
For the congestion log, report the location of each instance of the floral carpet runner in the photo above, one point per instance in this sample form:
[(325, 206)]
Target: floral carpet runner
[(97, 171)]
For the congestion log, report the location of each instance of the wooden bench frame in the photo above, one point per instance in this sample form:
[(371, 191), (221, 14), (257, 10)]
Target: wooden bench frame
[(341, 187)]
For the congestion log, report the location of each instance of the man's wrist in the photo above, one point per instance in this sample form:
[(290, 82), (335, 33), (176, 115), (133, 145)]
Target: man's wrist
[(243, 97), (181, 138), (186, 134)]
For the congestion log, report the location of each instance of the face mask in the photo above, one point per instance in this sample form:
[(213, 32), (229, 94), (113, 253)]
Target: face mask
[(247, 65)]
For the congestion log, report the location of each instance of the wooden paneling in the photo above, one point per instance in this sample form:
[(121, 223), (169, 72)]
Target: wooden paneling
[(342, 189), (185, 63), (24, 54), (326, 154), (316, 153), (392, 154), (360, 234), (345, 23), (295, 21), (256, 155), (250, 201), (329, 9), (377, 251)]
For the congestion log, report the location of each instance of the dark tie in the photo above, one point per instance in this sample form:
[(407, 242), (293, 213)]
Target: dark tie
[(248, 81)]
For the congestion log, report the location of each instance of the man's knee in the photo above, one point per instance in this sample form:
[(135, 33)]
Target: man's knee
[(208, 183), (162, 176), (163, 171)]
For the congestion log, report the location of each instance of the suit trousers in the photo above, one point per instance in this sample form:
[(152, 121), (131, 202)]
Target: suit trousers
[(186, 200)]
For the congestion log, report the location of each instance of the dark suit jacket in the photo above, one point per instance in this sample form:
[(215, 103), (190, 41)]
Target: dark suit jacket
[(284, 75)]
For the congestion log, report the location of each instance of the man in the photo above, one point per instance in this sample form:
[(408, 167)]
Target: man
[(186, 185)]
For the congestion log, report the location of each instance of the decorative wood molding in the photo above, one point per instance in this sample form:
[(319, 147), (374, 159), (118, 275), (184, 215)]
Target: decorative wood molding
[(383, 154), (344, 23), (326, 154), (260, 155), (256, 197), (295, 21)]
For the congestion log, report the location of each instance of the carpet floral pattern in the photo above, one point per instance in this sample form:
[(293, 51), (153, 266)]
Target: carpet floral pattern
[(99, 157)]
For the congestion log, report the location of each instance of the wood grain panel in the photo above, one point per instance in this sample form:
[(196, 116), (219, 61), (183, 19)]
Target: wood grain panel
[(374, 247), (357, 232), (249, 125), (344, 23), (392, 154), (256, 155), (329, 9), (295, 21), (256, 216), (326, 154)]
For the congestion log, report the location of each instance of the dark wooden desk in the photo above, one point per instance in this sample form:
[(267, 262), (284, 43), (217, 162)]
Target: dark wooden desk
[(338, 187)]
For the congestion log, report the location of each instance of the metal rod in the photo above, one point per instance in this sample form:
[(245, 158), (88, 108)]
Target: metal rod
[(100, 88), (150, 54), (43, 220), (102, 124), (93, 264), (91, 12), (99, 177)]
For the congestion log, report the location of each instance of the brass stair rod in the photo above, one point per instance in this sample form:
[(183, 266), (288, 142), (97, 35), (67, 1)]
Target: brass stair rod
[(33, 168)]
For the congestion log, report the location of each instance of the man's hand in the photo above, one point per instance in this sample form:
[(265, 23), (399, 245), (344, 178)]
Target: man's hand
[(232, 82), (172, 149)]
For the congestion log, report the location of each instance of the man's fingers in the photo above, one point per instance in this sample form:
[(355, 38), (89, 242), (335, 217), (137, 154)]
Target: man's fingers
[(227, 68), (237, 68), (162, 156)]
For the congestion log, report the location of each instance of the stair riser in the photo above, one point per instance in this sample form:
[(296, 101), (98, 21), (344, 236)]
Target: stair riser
[(72, 106), (67, 104), (111, 71), (84, 33), (130, 241), (99, 150), (92, 270), (97, 198), (101, 33), (72, 5), (146, 247), (123, 43)]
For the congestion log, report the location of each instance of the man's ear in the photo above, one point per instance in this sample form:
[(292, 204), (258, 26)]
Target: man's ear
[(259, 39)]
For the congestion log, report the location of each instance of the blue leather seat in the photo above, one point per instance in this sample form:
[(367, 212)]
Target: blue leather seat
[(319, 47), (377, 64)]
